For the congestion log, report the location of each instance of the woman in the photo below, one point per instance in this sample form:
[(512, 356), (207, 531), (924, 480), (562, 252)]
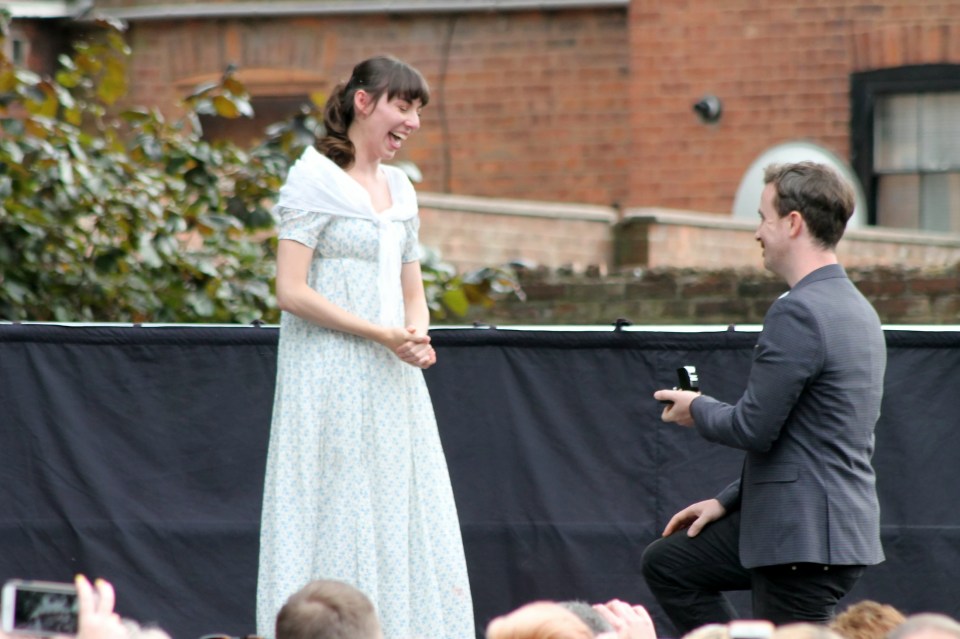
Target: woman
[(356, 485)]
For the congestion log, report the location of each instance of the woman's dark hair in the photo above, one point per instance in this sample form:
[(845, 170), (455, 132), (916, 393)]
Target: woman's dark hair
[(376, 76)]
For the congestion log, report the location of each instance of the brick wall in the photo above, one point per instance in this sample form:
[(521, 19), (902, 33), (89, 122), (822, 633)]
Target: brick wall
[(526, 104), (781, 69), (658, 266), (578, 105), (673, 296), (473, 232), (651, 237)]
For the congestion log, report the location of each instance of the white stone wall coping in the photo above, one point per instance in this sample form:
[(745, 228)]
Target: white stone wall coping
[(522, 208), (678, 217)]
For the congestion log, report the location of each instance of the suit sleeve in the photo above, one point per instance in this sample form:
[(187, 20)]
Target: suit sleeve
[(789, 353), (729, 497)]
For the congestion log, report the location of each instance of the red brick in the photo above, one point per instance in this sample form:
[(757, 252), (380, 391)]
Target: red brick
[(903, 309), (936, 285), (882, 288)]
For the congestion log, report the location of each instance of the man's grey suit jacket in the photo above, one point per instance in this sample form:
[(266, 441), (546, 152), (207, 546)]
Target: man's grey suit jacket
[(806, 420)]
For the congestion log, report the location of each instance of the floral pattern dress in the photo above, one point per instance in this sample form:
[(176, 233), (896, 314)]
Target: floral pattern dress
[(357, 487)]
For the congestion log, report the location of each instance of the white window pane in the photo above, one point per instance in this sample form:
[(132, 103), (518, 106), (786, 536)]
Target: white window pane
[(895, 134), (898, 201), (939, 131), (940, 202)]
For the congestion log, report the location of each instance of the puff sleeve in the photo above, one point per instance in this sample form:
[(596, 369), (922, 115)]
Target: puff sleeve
[(411, 244), (301, 226)]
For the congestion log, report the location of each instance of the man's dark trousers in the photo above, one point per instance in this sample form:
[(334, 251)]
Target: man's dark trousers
[(688, 576)]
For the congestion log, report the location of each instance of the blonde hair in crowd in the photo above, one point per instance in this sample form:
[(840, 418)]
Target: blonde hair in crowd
[(539, 620)]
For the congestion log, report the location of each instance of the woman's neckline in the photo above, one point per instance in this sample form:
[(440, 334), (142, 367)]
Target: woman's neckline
[(380, 172)]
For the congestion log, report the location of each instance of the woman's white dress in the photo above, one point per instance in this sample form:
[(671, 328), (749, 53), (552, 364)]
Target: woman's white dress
[(356, 485)]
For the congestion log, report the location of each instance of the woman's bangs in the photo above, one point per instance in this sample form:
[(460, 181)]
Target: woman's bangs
[(407, 84)]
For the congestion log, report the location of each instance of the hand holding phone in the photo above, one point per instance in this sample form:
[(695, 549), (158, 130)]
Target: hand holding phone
[(687, 379), (51, 609)]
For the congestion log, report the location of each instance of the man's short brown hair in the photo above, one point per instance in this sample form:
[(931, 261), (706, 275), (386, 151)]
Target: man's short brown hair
[(824, 199), (328, 609)]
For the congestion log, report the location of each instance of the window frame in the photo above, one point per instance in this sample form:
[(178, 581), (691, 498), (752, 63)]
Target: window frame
[(865, 88), (15, 40)]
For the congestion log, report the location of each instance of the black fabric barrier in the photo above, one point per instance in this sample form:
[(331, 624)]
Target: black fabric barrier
[(137, 454)]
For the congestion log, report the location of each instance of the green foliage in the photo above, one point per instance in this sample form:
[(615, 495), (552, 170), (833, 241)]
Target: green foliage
[(122, 216), (451, 296)]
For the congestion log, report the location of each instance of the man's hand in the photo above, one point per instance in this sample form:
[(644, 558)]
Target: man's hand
[(679, 411), (695, 517)]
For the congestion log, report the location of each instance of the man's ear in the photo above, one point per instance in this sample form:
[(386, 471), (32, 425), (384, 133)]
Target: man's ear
[(797, 223)]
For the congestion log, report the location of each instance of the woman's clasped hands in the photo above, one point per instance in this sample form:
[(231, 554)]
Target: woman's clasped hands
[(412, 347)]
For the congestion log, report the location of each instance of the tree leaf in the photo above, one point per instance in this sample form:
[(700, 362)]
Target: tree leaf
[(225, 107), (456, 301)]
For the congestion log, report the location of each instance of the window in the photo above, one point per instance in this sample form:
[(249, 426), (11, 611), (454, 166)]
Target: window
[(16, 47), (906, 145), (276, 95), (248, 131)]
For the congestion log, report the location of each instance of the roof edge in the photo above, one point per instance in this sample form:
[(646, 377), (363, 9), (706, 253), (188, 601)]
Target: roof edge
[(46, 10), (265, 8)]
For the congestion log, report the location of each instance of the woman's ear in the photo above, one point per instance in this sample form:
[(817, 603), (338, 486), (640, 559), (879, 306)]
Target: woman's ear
[(362, 103)]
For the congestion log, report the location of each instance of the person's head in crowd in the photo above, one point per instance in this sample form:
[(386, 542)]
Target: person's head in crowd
[(629, 621), (328, 609), (867, 620), (588, 615), (538, 620), (803, 630), (739, 629), (929, 625)]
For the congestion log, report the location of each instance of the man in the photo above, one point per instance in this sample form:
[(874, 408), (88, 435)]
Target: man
[(802, 522), (327, 609)]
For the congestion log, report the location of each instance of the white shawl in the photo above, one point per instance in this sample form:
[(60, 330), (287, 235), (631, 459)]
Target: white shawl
[(317, 185)]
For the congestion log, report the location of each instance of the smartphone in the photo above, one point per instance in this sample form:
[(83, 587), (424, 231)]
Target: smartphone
[(687, 379), (39, 608)]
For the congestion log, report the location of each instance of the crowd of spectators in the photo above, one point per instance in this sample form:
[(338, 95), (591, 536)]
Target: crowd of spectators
[(328, 609)]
